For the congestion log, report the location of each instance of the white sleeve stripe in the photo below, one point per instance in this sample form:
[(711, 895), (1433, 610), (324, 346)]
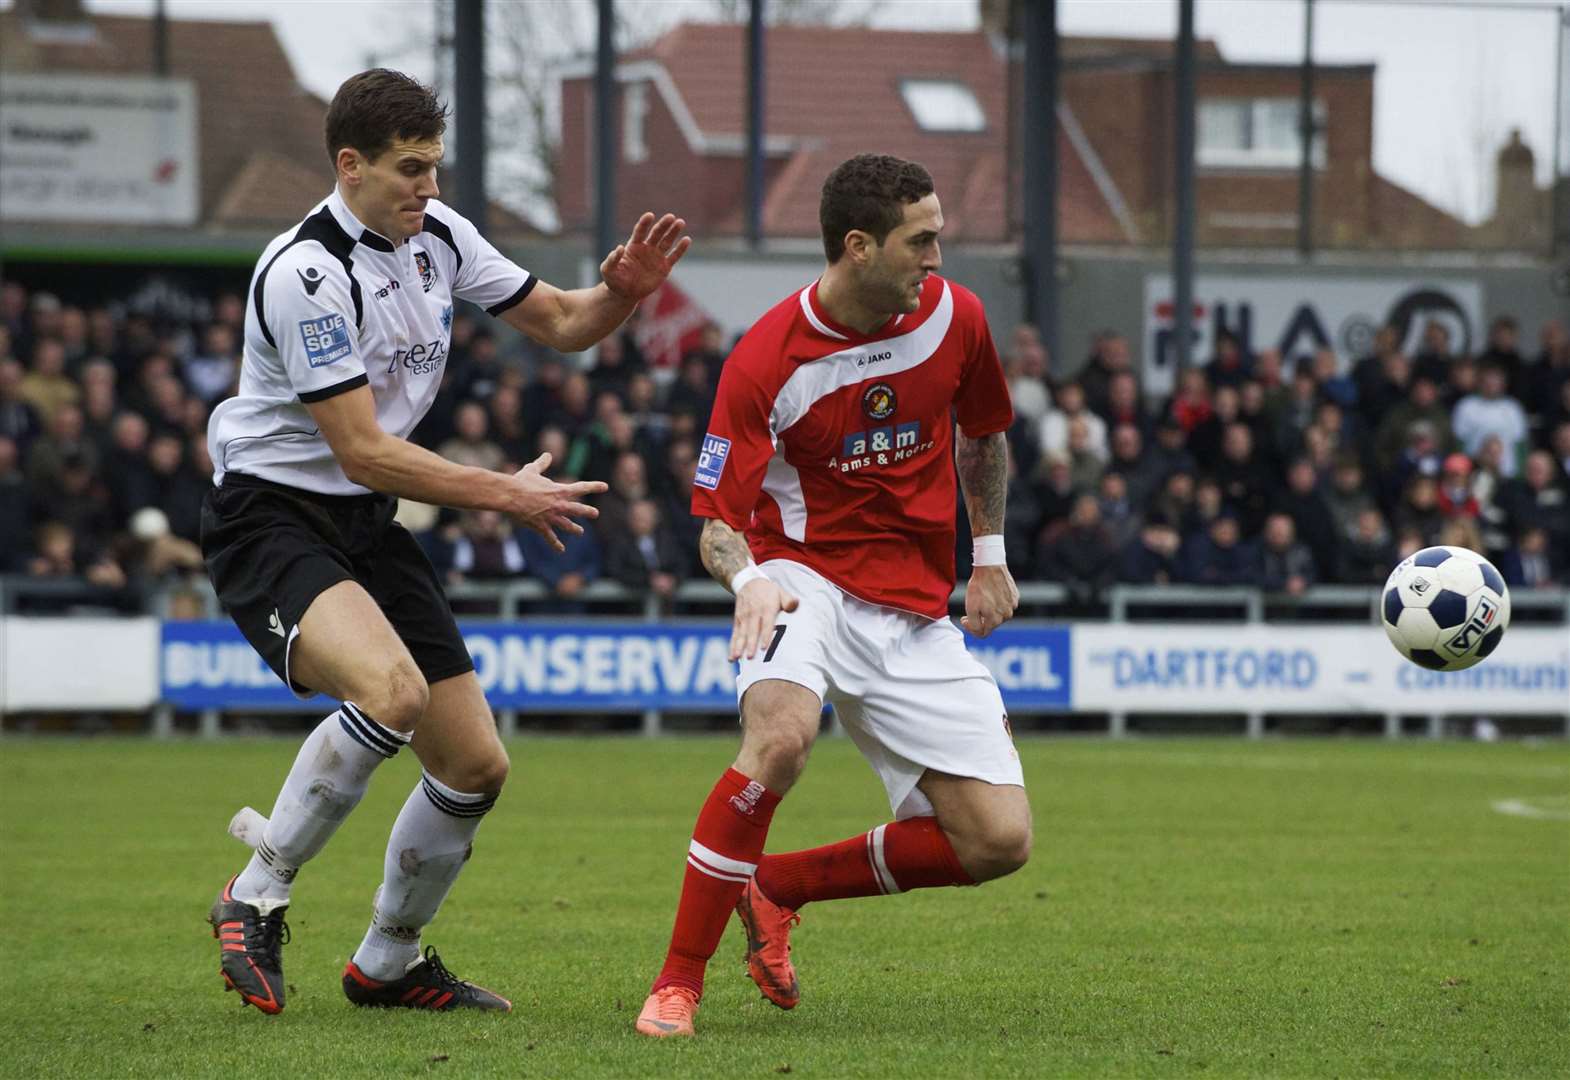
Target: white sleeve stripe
[(696, 865), (880, 867), (721, 862)]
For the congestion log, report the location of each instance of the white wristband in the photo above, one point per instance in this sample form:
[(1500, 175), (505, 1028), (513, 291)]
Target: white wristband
[(746, 576), (987, 551)]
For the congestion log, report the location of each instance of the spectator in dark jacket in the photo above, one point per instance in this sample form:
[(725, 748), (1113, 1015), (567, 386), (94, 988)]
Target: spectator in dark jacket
[(1151, 557), (645, 555), (1369, 554), (1245, 483), (1312, 520), (567, 573), (1081, 555), (1220, 556), (1530, 564), (1285, 565), (1534, 500), (15, 511)]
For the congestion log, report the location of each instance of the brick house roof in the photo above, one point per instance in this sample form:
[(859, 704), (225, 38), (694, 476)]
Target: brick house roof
[(834, 92), (831, 94)]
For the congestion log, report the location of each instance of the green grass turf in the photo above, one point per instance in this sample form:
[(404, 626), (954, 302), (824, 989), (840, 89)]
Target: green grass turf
[(1194, 907)]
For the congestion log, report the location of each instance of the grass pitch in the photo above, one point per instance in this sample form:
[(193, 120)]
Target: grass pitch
[(1194, 907)]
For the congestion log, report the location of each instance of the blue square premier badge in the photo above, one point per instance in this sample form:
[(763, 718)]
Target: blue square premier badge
[(326, 340), (711, 461)]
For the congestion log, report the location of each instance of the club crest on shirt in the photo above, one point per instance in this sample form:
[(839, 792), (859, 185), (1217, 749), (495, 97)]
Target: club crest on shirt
[(427, 269), (877, 401)]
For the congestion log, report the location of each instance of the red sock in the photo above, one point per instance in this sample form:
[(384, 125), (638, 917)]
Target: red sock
[(726, 845), (897, 857)]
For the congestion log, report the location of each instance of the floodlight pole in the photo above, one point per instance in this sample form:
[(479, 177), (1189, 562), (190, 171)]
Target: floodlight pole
[(160, 40), (1183, 171), (469, 98), (1306, 132), (604, 131), (755, 83), (1041, 171)]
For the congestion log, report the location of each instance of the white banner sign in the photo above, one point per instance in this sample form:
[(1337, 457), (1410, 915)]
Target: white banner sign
[(1210, 668), (1298, 315), (43, 665), (98, 149)]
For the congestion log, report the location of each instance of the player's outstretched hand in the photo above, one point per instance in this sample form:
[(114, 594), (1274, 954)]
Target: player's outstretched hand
[(635, 269), (545, 506), (757, 606), (990, 600)]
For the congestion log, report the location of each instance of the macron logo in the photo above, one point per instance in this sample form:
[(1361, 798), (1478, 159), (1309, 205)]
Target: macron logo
[(275, 624)]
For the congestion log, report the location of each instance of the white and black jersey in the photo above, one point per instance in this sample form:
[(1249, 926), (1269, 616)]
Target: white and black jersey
[(334, 306)]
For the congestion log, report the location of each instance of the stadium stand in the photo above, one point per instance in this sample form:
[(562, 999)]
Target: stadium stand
[(1259, 468)]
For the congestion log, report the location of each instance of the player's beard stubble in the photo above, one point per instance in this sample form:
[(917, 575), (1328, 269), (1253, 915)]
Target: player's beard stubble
[(889, 291)]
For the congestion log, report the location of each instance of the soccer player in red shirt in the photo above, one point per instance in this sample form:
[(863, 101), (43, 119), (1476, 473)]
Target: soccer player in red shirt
[(827, 481)]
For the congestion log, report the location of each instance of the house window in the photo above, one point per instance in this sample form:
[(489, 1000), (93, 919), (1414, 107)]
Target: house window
[(1255, 133), (943, 105), (634, 107)]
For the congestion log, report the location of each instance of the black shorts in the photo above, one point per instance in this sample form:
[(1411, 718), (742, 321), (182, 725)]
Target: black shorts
[(271, 550)]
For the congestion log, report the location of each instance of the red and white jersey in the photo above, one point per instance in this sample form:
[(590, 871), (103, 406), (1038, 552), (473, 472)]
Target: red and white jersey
[(835, 449)]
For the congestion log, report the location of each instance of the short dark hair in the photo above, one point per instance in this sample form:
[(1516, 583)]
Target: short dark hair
[(869, 193), (375, 107)]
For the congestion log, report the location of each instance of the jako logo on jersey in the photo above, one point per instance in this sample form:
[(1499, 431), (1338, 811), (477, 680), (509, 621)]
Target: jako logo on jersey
[(711, 461), (878, 401), (326, 340), (311, 278), (447, 317), (387, 289), (874, 358), (746, 800), (422, 263)]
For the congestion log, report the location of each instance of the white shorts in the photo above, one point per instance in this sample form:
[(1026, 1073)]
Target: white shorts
[(907, 691)]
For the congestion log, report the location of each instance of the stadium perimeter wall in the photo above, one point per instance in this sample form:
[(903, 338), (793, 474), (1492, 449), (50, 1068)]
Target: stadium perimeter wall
[(626, 665)]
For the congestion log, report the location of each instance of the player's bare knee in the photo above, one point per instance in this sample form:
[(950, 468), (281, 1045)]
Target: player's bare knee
[(995, 851), (397, 697), (487, 774)]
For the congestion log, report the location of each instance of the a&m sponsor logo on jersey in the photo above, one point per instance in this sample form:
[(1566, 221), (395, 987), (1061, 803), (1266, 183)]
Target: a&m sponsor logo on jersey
[(326, 340), (711, 461), (881, 446)]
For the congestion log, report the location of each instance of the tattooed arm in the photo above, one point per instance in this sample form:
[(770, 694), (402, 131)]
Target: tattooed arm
[(991, 597), (758, 603)]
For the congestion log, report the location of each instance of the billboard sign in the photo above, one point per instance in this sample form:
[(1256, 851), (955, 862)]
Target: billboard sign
[(98, 149), (1301, 314)]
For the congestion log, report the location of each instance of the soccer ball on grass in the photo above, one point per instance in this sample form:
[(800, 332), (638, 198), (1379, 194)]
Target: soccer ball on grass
[(1445, 608)]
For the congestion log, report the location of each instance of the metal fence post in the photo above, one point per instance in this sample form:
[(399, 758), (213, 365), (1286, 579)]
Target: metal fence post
[(653, 719), (1392, 726), (162, 721)]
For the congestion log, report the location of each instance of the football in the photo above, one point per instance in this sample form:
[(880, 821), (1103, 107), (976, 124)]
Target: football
[(1445, 608)]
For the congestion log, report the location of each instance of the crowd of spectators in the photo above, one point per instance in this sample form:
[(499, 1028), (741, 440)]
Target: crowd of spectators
[(1259, 469)]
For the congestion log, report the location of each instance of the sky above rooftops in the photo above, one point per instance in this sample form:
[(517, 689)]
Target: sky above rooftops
[(1453, 77)]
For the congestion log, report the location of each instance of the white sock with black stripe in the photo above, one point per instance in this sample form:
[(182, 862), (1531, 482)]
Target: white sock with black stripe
[(329, 776), (430, 842)]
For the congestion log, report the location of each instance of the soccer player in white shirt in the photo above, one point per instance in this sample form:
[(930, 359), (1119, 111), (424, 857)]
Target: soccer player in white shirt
[(348, 324)]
